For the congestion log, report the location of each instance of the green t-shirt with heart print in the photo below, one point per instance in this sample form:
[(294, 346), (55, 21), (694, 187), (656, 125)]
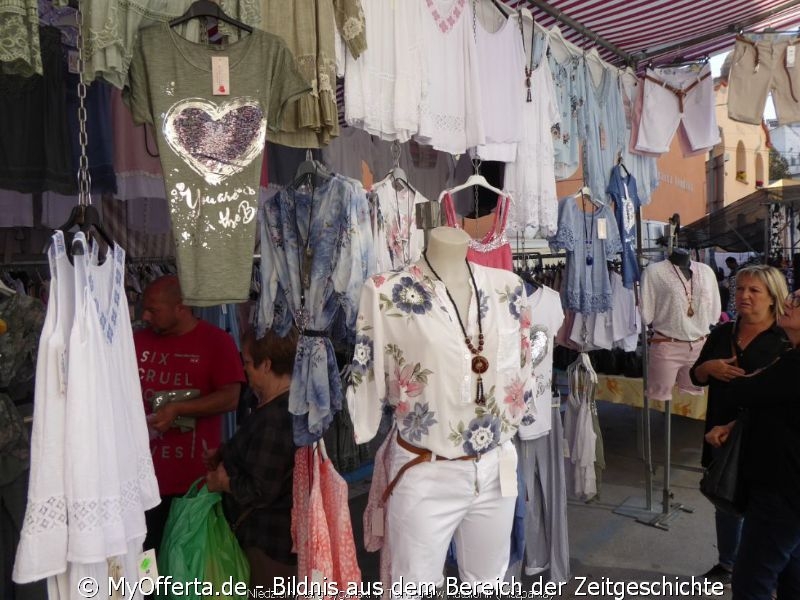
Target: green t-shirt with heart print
[(210, 106)]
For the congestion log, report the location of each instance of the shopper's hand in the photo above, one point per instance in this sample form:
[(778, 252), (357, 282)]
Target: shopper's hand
[(719, 434), (211, 458), (218, 480), (162, 419), (723, 369)]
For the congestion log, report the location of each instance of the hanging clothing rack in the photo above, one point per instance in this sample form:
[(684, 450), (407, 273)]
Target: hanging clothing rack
[(733, 28), (584, 31)]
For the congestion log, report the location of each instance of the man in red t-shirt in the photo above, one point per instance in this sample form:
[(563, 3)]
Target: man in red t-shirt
[(181, 352)]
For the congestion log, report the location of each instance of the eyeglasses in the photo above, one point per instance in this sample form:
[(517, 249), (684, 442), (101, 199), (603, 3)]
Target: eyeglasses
[(794, 299)]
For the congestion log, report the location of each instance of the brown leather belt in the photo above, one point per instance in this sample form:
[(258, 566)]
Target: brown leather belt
[(423, 454), (740, 38), (664, 338), (680, 93)]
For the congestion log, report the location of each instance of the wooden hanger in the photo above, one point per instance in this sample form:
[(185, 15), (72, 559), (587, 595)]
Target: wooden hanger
[(207, 8)]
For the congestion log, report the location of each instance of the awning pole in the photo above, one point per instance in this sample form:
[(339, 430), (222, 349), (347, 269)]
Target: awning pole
[(707, 37)]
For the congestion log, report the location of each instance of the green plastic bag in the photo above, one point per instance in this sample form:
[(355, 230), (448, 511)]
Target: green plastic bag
[(225, 560), (199, 546)]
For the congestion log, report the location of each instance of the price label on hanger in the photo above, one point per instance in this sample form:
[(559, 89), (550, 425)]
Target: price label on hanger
[(790, 56), (220, 76)]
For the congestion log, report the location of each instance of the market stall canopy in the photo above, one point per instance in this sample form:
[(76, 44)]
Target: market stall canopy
[(742, 225), (642, 30)]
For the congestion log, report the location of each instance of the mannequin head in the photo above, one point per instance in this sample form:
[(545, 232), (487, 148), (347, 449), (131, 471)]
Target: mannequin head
[(680, 257), (447, 245)]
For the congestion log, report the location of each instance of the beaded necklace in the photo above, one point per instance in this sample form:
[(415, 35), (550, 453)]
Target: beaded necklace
[(480, 364)]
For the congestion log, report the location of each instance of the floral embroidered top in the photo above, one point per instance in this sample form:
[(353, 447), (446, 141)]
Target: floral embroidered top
[(410, 355)]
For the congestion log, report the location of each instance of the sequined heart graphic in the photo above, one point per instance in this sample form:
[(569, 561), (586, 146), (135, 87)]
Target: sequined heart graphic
[(216, 140), (540, 342)]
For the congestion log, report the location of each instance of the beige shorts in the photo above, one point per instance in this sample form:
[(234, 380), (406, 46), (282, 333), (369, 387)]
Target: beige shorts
[(760, 67)]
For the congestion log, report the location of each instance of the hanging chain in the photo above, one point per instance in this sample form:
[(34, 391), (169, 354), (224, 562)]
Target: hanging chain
[(84, 178)]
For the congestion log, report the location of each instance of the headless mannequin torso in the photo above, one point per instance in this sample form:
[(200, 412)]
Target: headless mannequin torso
[(447, 253), (681, 259)]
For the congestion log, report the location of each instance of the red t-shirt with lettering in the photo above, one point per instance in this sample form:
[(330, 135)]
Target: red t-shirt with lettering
[(206, 359)]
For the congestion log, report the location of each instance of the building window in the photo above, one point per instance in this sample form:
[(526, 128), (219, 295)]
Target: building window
[(741, 163)]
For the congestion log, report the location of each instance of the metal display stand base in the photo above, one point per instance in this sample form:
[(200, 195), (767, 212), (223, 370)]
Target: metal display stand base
[(636, 508)]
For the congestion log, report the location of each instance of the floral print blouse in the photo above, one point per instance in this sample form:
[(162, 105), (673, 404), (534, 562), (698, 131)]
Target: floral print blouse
[(410, 355), (333, 221)]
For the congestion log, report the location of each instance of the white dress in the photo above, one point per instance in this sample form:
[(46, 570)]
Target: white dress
[(531, 178), (105, 466), (450, 113), (502, 89), (383, 87), (42, 549)]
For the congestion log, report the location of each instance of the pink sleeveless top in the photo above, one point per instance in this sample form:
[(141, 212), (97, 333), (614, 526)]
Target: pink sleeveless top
[(494, 250)]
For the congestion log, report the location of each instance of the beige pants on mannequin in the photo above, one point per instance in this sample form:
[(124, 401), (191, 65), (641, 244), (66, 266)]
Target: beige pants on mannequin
[(435, 502)]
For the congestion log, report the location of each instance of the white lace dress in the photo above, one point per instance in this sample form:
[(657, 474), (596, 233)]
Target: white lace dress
[(450, 113), (104, 461), (531, 178), (383, 87), (42, 549)]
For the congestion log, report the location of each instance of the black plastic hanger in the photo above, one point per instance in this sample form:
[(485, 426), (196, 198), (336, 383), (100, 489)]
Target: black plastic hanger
[(86, 218), (309, 170), (206, 8), (621, 165)]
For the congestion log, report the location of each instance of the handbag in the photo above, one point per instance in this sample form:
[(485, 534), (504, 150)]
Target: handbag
[(722, 482)]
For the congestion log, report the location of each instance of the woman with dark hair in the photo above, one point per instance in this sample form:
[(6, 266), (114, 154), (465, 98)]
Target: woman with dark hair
[(254, 468)]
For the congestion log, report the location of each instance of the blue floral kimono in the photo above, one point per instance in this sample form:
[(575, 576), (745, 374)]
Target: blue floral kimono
[(333, 223)]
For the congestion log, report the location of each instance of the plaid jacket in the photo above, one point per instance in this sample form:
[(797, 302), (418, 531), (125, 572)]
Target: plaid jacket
[(259, 460)]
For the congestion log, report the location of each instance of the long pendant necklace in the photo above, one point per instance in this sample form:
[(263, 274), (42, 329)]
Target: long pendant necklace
[(588, 236), (688, 292), (305, 256), (480, 364)]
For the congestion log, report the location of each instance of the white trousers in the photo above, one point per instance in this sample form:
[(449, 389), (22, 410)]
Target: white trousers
[(435, 502)]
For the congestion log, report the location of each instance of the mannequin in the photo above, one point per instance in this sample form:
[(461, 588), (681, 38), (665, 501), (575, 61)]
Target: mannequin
[(681, 258), (447, 253), (458, 386)]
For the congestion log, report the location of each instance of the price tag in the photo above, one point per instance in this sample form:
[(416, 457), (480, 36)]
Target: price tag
[(147, 565), (508, 473), (220, 76), (72, 61), (377, 522), (602, 228), (790, 57)]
